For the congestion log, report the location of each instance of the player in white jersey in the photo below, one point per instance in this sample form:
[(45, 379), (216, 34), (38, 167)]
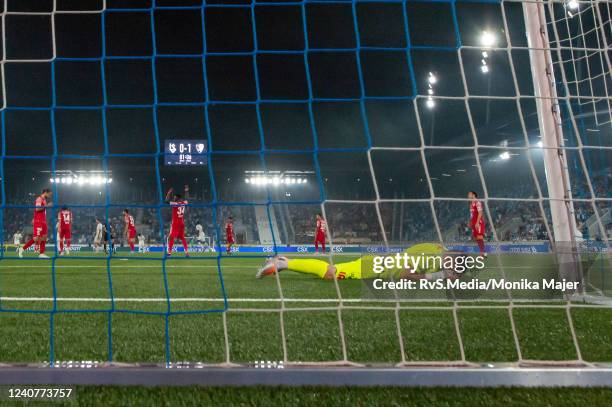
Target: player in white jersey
[(141, 243), (98, 236), (200, 236), (17, 239)]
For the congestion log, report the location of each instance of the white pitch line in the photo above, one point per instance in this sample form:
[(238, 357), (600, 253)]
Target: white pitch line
[(139, 267), (195, 267), (230, 300), (74, 299)]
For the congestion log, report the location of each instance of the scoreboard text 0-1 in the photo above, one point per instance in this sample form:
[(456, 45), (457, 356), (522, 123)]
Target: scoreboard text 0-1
[(185, 152)]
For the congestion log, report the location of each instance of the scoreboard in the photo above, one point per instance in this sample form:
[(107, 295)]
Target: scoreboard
[(185, 152)]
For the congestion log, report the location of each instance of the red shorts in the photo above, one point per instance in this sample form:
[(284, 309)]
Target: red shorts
[(131, 233), (40, 229), (65, 233), (177, 231), (320, 238), (230, 239), (478, 229)]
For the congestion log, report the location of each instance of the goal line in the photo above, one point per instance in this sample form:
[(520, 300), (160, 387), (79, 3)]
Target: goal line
[(460, 303)]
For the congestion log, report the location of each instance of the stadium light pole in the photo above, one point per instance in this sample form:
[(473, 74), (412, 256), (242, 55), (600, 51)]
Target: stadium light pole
[(487, 41), (431, 81)]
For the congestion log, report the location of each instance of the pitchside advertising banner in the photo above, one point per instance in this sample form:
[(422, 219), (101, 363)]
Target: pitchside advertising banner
[(542, 247), (504, 248), (535, 247)]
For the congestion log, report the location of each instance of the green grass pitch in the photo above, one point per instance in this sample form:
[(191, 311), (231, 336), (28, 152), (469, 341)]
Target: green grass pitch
[(310, 321), (310, 317)]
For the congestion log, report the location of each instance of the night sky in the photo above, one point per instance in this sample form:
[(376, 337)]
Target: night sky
[(346, 118)]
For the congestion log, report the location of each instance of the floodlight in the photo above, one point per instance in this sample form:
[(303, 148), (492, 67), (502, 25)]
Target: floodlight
[(432, 79), (487, 39), (573, 4)]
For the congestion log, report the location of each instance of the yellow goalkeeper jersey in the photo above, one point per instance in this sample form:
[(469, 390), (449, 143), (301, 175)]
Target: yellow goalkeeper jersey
[(362, 267)]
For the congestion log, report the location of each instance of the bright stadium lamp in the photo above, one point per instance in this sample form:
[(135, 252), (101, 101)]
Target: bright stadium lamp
[(540, 144), (572, 7), (432, 79), (505, 155), (487, 39), (484, 68), (430, 103), (573, 4)]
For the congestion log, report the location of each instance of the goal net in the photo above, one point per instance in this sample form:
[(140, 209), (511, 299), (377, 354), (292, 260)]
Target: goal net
[(379, 116)]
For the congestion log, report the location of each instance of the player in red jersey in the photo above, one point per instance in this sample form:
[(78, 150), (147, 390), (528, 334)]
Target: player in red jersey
[(229, 233), (39, 225), (64, 219), (320, 233), (477, 222), (177, 228), (130, 229)]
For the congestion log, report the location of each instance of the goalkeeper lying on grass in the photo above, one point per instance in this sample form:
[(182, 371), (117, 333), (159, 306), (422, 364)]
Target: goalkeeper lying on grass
[(363, 267)]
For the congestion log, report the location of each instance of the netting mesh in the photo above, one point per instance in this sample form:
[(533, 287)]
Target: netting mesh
[(388, 153)]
